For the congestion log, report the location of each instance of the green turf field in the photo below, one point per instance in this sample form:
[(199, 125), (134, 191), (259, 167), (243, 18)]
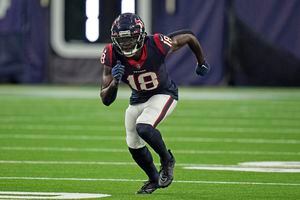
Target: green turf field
[(62, 139)]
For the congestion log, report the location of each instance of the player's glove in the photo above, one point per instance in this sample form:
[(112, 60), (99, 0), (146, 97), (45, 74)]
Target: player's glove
[(118, 71), (202, 69)]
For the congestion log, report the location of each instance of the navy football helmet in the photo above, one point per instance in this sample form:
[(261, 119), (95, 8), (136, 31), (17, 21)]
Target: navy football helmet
[(128, 34)]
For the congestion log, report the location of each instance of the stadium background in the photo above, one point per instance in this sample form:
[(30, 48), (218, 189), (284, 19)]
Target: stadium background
[(230, 142), (247, 43)]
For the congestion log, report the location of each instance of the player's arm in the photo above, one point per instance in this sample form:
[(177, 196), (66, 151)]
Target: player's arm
[(109, 86), (183, 37), (111, 75), (181, 40)]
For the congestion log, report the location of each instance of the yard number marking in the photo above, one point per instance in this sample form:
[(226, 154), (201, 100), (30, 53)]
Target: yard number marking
[(48, 195)]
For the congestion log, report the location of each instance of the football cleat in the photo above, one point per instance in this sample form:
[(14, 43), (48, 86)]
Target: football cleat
[(148, 187), (166, 172)]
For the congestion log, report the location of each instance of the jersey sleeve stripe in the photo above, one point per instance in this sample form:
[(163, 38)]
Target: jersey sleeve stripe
[(164, 111), (158, 44)]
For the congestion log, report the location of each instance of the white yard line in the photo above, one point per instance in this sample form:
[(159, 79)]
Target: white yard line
[(138, 180), (234, 140), (261, 164), (42, 162), (110, 150), (266, 166), (62, 127), (245, 169), (171, 139), (182, 129), (34, 162)]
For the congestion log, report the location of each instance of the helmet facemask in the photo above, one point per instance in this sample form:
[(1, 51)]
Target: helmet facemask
[(129, 45)]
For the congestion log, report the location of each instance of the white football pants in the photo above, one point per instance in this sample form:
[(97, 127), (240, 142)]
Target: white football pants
[(152, 112)]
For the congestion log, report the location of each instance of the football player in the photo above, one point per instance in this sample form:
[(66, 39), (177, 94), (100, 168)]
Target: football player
[(138, 60)]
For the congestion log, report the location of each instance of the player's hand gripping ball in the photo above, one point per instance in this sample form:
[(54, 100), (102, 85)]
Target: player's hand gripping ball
[(202, 69), (118, 71)]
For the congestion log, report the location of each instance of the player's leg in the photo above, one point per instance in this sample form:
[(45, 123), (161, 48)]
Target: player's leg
[(153, 137), (139, 151), (157, 109)]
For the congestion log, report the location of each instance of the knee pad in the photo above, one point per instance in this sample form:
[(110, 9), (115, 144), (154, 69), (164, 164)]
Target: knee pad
[(145, 131), (134, 142)]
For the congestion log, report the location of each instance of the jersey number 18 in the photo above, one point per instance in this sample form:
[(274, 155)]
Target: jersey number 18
[(145, 81)]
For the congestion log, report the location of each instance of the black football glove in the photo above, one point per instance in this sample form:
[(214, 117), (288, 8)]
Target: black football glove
[(202, 69), (118, 71)]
